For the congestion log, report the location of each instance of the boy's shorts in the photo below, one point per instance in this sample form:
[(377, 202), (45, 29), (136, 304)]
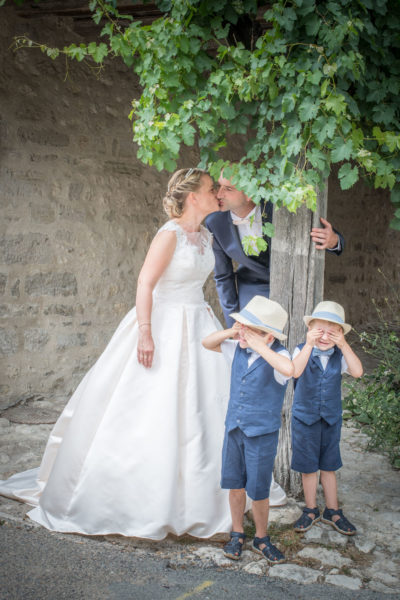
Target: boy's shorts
[(248, 462), (316, 446)]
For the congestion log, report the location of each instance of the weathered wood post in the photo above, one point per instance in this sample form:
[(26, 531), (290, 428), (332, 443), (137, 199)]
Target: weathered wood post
[(297, 283)]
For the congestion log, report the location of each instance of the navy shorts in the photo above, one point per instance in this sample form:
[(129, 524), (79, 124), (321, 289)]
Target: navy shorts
[(316, 446), (248, 462)]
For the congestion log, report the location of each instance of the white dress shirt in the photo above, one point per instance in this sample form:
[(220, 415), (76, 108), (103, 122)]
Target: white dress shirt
[(228, 348), (324, 360), (253, 227)]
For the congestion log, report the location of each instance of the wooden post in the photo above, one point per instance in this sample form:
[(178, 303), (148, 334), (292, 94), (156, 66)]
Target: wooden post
[(297, 283)]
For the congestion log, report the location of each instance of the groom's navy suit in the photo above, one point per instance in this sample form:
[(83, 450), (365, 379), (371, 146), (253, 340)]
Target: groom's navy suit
[(236, 288)]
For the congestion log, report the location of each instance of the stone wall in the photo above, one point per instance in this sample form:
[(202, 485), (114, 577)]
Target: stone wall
[(79, 211), (363, 215)]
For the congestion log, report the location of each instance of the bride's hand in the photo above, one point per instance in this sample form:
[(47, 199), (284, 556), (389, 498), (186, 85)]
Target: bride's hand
[(145, 350)]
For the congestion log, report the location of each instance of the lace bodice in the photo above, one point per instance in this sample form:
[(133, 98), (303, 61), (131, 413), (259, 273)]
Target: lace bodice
[(192, 262)]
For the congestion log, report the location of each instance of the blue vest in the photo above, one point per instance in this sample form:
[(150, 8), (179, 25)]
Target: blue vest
[(256, 398), (318, 393)]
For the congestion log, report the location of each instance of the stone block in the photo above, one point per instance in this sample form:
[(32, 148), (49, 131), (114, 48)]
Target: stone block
[(351, 583), (42, 213), (324, 556), (51, 284), (255, 568), (25, 249), (337, 539), (35, 339), (377, 586), (71, 340), (313, 535), (15, 289), (3, 283), (8, 341), (212, 556), (44, 137), (364, 545), (64, 310), (295, 573), (75, 191)]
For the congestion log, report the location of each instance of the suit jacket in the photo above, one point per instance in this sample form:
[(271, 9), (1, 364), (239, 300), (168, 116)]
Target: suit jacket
[(236, 288)]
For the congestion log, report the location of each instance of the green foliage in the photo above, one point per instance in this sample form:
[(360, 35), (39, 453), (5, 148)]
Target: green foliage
[(374, 401), (320, 86)]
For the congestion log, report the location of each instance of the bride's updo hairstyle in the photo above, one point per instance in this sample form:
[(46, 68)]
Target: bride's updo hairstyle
[(180, 185)]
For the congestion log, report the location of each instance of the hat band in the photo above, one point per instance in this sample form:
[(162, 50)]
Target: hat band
[(327, 315), (256, 320)]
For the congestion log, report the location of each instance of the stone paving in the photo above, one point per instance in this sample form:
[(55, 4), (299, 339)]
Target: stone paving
[(369, 491)]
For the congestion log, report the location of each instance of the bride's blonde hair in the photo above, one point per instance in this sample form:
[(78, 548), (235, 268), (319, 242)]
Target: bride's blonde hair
[(180, 185)]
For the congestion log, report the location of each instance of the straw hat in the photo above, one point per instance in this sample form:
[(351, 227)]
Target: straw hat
[(263, 314), (329, 311)]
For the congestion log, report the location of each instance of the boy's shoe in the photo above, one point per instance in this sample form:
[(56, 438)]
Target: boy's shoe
[(342, 525), (233, 549), (304, 523), (270, 552)]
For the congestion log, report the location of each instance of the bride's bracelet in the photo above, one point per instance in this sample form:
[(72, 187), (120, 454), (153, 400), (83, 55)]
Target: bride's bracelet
[(143, 324)]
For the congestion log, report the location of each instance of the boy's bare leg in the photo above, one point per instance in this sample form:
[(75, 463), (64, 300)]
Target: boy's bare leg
[(237, 503), (310, 482), (260, 509), (329, 485)]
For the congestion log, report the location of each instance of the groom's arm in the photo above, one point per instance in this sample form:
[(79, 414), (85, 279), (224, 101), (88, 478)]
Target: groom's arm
[(225, 282)]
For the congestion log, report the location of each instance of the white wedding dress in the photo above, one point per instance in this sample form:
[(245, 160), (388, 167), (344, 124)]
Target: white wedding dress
[(137, 451)]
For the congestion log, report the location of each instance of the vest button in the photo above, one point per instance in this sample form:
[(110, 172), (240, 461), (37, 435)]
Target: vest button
[(237, 420), (244, 380)]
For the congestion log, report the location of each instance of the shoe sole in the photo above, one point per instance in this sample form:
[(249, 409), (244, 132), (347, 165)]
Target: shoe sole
[(232, 556), (271, 562), (304, 529), (333, 524)]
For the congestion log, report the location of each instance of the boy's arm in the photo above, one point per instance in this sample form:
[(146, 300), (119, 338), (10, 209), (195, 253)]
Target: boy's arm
[(354, 366), (214, 340), (280, 363), (301, 360)]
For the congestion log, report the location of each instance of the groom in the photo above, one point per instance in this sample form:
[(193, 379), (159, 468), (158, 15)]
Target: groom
[(240, 217)]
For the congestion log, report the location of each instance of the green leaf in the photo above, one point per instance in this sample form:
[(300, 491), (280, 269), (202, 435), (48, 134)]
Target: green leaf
[(347, 176), (308, 109), (313, 24), (188, 133), (268, 229), (317, 158), (341, 149), (395, 195), (76, 52), (335, 103), (98, 52)]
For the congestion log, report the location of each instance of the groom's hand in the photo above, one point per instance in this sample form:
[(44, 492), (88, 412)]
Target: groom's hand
[(324, 237)]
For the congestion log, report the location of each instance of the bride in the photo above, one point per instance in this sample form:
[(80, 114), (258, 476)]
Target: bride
[(137, 449)]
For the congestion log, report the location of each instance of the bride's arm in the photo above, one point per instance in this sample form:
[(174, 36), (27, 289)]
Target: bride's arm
[(157, 259)]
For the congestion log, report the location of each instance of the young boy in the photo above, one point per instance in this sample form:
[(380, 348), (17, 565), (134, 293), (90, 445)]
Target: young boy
[(317, 411), (261, 367)]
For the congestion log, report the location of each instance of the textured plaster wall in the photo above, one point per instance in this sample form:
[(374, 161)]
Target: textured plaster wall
[(79, 211), (363, 215)]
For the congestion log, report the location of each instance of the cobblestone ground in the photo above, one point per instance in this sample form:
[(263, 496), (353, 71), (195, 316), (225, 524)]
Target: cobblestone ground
[(369, 492)]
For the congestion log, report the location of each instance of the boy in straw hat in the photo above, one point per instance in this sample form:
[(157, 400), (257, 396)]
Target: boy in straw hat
[(317, 411), (261, 367)]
